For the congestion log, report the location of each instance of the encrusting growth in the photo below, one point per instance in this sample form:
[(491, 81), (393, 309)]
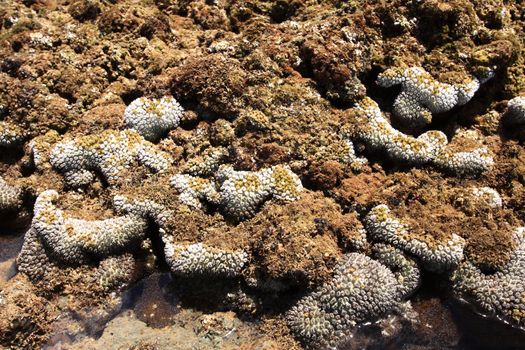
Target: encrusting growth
[(435, 255), (421, 95), (361, 290), (501, 294), (108, 153), (196, 259), (11, 134), (75, 241), (431, 147), (239, 193), (405, 268), (9, 197), (153, 118), (515, 114)]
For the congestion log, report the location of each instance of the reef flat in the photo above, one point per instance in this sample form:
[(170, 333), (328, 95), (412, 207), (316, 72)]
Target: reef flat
[(260, 174)]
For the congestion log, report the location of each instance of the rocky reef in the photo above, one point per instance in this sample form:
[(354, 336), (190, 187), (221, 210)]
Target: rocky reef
[(270, 174)]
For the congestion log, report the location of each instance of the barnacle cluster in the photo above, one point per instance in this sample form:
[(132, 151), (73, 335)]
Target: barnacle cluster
[(421, 95), (361, 290), (116, 272), (9, 197), (435, 255), (239, 193), (153, 118), (11, 134), (500, 294), (108, 153), (515, 114), (75, 241), (430, 147), (200, 260)]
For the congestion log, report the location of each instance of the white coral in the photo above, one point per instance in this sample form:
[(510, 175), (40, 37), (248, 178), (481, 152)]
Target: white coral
[(11, 134), (108, 153), (383, 226), (9, 197), (76, 241), (200, 260), (421, 95), (153, 118)]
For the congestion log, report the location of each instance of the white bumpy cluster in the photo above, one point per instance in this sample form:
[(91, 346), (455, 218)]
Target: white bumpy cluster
[(191, 260), (153, 118), (515, 114), (500, 294), (421, 95), (430, 147), (11, 135), (194, 191), (383, 226), (361, 290), (108, 153), (405, 268), (487, 196), (9, 197), (74, 241), (239, 193), (207, 163)]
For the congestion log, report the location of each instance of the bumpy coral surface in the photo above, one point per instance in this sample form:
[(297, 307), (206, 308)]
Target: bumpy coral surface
[(11, 134), (361, 290), (421, 95), (198, 260), (437, 256), (108, 153), (153, 118), (430, 147), (239, 193), (76, 241), (9, 197), (498, 294), (200, 121), (516, 111), (242, 192)]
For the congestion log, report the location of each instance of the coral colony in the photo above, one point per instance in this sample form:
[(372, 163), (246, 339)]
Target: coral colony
[(364, 286)]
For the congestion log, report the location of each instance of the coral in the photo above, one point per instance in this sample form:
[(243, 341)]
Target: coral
[(116, 272), (383, 226), (421, 95), (193, 191), (430, 147), (75, 241), (361, 290), (238, 193), (208, 163), (153, 118), (40, 148), (488, 196), (33, 260), (464, 155), (378, 134), (108, 153), (242, 192), (9, 197), (500, 294), (200, 260), (405, 268), (515, 114), (11, 134)]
